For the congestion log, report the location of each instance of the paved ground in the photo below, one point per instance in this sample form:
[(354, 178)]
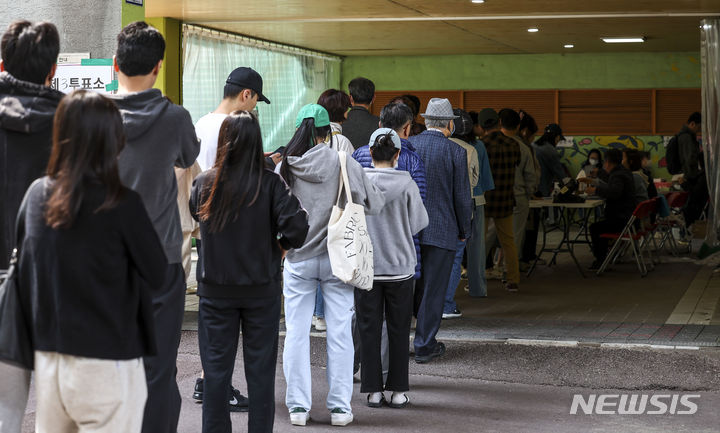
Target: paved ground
[(500, 388)]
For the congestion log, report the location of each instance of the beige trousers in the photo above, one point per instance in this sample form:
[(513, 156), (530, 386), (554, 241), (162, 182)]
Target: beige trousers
[(76, 394)]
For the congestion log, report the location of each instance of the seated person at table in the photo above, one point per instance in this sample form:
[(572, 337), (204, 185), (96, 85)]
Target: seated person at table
[(592, 168), (646, 162), (619, 193), (632, 160)]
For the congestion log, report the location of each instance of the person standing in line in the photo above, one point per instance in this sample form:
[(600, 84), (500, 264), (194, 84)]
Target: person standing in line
[(476, 254), (504, 157), (29, 52), (391, 232), (463, 129), (398, 117), (526, 175), (360, 122), (87, 243), (448, 205), (160, 136), (248, 219), (337, 103), (243, 89), (312, 170)]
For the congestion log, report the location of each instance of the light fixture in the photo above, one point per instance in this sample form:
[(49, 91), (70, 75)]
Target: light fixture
[(478, 1), (623, 40), (533, 30), (569, 46)]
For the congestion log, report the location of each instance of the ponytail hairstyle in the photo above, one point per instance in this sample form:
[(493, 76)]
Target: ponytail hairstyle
[(239, 170), (383, 149), (88, 135), (305, 138)]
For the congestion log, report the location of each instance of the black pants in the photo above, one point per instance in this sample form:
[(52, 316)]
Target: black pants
[(395, 300), (162, 409), (430, 291), (697, 199), (529, 247), (220, 321), (600, 245)]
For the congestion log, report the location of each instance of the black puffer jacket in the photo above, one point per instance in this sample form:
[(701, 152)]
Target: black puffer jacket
[(26, 116)]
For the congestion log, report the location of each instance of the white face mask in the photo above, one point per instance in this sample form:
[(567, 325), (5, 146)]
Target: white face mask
[(593, 161)]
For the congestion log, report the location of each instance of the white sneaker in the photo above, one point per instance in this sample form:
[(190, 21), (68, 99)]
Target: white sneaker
[(340, 418), (320, 324), (299, 416)]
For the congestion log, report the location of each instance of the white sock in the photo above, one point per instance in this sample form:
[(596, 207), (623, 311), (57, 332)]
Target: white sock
[(375, 397), (399, 398)]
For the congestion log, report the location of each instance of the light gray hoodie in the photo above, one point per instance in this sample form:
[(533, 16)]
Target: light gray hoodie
[(392, 230), (317, 176)]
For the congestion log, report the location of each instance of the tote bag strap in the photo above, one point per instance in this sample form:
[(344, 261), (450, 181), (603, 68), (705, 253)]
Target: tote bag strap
[(344, 180)]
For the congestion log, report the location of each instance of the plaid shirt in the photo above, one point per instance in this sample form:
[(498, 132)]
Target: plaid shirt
[(504, 156), (448, 202)]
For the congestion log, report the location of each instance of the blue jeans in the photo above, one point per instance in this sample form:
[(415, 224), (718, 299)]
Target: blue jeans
[(301, 283), (319, 305), (477, 284), (455, 275)]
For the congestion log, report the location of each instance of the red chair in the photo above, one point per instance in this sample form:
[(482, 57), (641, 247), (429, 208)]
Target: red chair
[(676, 201), (633, 236)]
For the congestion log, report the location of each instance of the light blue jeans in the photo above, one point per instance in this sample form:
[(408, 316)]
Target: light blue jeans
[(302, 280), (319, 305), (477, 284), (455, 275)]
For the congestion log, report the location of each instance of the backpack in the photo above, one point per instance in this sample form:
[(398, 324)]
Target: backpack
[(672, 156)]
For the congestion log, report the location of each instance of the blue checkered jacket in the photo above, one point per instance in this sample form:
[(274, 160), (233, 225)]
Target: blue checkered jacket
[(447, 201), (407, 161)]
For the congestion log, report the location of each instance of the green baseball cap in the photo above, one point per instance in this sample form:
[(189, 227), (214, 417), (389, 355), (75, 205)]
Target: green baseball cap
[(317, 112)]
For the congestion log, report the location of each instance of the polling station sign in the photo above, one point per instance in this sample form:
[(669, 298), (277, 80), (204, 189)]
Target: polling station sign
[(90, 74)]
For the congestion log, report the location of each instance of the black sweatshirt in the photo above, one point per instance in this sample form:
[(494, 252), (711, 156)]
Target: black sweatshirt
[(88, 283), (243, 260)]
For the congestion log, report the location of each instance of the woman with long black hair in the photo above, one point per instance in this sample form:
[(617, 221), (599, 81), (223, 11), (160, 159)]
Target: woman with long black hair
[(87, 253), (248, 219), (312, 169)]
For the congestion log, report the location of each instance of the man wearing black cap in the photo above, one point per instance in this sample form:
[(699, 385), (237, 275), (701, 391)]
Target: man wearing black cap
[(551, 169), (243, 89)]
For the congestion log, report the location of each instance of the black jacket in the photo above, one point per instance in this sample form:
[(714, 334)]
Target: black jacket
[(26, 116), (243, 260), (359, 126), (87, 284), (619, 193)]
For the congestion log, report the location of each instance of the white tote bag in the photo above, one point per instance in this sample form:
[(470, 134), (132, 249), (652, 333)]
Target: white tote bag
[(348, 241)]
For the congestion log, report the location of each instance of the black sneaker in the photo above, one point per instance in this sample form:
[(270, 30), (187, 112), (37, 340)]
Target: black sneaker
[(198, 392), (452, 315), (238, 402), (439, 350)]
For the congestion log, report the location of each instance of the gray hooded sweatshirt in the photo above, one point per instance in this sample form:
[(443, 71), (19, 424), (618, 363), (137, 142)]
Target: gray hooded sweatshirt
[(159, 136), (317, 176), (392, 230)]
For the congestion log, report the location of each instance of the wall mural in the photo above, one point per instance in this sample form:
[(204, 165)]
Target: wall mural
[(574, 150)]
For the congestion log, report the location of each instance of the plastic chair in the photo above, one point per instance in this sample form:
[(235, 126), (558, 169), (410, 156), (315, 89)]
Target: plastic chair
[(676, 200)]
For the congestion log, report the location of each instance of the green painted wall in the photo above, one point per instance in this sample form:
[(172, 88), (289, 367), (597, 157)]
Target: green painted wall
[(132, 13), (528, 71)]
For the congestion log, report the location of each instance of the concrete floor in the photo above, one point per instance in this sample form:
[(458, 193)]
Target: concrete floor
[(497, 388)]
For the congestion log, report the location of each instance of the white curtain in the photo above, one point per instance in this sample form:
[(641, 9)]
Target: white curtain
[(710, 47), (291, 77)]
